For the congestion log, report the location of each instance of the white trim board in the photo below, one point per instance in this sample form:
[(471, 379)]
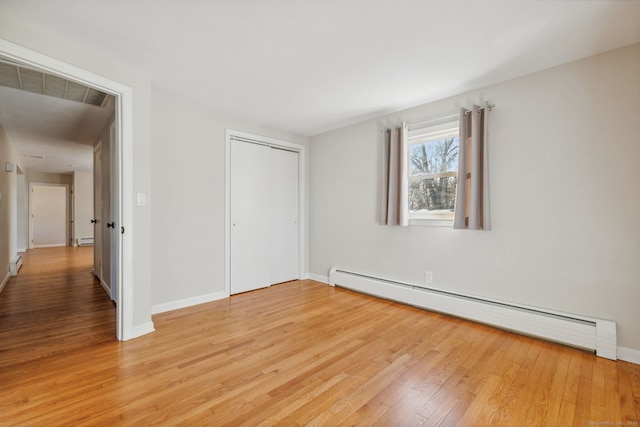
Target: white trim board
[(318, 278), (4, 282), (106, 288), (629, 355), (140, 330), (124, 120), (188, 302)]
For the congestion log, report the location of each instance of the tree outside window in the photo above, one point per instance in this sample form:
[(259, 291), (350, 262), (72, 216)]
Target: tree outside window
[(433, 166)]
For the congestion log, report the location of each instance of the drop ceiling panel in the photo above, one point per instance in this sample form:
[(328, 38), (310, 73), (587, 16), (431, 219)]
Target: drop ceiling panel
[(9, 76), (75, 92), (55, 86), (17, 77), (31, 80)]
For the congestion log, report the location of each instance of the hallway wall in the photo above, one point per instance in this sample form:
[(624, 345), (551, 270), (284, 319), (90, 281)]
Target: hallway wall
[(8, 205)]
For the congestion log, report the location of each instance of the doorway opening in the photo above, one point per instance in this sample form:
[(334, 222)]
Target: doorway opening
[(49, 215), (123, 167)]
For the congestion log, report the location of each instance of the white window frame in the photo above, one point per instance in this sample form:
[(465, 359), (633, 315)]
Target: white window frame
[(425, 132)]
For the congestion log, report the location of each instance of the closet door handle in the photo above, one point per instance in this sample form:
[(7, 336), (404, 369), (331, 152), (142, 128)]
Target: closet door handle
[(93, 221), (111, 225)]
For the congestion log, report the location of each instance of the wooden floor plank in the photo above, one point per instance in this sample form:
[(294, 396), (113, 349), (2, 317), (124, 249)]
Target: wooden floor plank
[(300, 353), (629, 401)]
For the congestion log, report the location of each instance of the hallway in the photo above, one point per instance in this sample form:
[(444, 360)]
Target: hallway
[(54, 305)]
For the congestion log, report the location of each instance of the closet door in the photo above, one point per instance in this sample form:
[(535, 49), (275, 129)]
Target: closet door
[(284, 215), (250, 206)]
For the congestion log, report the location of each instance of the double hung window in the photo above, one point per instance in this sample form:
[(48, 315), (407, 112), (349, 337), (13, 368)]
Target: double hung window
[(433, 168)]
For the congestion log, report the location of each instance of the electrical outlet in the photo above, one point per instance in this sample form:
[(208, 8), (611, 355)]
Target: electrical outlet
[(429, 277)]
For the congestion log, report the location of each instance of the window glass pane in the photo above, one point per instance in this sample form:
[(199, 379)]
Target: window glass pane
[(434, 156), (433, 195), (430, 195)]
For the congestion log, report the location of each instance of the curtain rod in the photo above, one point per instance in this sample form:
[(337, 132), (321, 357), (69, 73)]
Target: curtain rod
[(437, 119), (488, 106)]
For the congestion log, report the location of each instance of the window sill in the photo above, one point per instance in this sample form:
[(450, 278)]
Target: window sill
[(431, 222)]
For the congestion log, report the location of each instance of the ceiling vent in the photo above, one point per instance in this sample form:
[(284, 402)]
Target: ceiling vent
[(17, 77)]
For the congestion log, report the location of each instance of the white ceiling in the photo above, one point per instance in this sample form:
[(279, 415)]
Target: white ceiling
[(311, 66)]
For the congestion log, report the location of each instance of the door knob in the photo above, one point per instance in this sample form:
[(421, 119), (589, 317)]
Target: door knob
[(93, 221), (111, 225)]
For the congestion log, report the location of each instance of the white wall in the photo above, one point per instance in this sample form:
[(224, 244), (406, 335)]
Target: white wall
[(82, 205), (188, 174), (8, 205), (565, 170)]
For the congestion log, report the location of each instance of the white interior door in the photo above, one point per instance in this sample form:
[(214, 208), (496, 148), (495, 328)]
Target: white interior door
[(284, 215), (97, 211), (250, 221), (49, 215)]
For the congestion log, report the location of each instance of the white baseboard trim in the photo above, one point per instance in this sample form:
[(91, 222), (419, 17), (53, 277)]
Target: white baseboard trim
[(106, 287), (144, 329), (55, 245), (22, 250), (629, 355), (4, 282), (187, 302), (304, 276), (318, 278)]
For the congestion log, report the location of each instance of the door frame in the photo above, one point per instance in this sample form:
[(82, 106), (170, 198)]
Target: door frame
[(302, 184), (67, 214), (124, 163), (114, 207), (22, 211)]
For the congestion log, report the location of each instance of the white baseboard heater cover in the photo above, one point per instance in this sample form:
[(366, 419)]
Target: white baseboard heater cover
[(15, 265), (579, 331), (85, 241)]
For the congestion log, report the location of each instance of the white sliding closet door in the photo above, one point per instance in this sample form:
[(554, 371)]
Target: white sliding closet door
[(284, 215), (263, 215), (250, 218)]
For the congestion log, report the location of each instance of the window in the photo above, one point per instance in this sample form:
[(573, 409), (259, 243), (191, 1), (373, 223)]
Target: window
[(433, 169)]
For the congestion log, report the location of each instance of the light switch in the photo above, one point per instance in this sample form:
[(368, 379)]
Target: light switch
[(142, 199)]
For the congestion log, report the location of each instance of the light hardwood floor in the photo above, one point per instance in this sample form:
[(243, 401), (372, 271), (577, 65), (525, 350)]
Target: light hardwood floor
[(300, 353)]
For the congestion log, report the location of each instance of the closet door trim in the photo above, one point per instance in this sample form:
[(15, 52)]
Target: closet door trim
[(278, 144)]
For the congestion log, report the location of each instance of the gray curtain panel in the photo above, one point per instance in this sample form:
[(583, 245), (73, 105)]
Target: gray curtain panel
[(394, 206), (472, 210)]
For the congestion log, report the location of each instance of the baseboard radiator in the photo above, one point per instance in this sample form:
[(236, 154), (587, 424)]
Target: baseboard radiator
[(15, 264), (578, 331), (85, 241)]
